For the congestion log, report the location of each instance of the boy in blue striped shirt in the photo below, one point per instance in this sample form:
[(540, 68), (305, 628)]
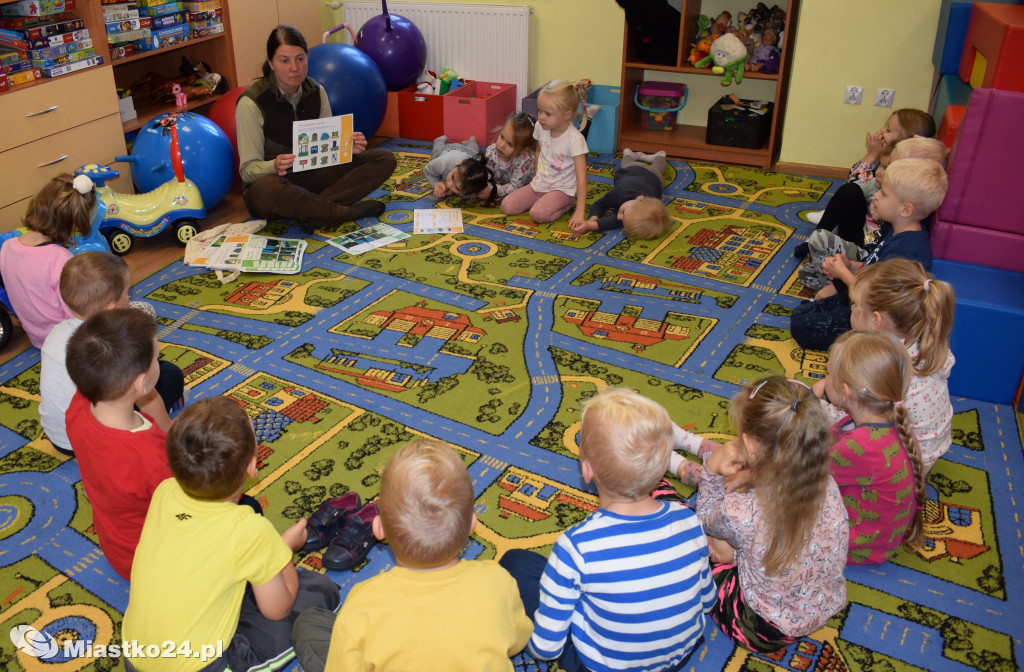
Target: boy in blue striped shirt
[(628, 587)]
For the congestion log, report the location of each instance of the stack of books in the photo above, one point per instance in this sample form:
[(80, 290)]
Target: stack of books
[(42, 38), (206, 18), (169, 24)]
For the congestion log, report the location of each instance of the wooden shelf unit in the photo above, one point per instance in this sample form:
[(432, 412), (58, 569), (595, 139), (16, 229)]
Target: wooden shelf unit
[(687, 140), (216, 50)]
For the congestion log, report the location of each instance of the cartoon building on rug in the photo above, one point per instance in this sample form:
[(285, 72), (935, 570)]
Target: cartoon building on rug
[(530, 497), (625, 327), (648, 283), (422, 321), (273, 407), (952, 532), (734, 251), (261, 295)]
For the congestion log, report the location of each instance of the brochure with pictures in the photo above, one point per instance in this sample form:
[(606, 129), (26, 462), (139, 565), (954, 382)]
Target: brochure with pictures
[(319, 143), (253, 254), (437, 221), (369, 238)]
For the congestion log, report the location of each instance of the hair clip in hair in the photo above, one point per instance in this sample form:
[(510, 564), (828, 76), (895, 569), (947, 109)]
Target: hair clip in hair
[(792, 406), (927, 286), (82, 184), (897, 403)]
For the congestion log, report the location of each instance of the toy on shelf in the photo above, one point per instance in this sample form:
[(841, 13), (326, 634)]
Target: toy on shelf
[(179, 98), (121, 216), (728, 54), (766, 56), (699, 50)]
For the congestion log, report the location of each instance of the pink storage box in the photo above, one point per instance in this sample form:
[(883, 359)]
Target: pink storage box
[(477, 108), (659, 102)]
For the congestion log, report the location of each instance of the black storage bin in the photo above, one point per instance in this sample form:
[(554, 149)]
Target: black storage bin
[(739, 125)]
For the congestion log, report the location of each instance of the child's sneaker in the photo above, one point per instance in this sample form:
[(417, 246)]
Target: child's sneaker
[(353, 542), (329, 519), (628, 153)]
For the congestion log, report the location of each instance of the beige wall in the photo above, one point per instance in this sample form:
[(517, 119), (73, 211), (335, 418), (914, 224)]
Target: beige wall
[(869, 43)]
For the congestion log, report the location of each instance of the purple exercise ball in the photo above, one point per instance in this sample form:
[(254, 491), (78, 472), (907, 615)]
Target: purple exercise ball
[(396, 45)]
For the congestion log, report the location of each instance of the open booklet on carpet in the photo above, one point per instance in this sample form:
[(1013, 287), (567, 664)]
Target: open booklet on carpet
[(253, 254)]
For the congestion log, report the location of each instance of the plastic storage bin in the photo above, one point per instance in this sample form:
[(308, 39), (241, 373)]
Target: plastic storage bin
[(604, 127), (659, 103), (477, 108), (420, 115), (735, 125)]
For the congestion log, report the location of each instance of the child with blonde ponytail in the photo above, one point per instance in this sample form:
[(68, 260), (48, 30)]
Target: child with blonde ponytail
[(876, 460), (561, 177), (900, 297)]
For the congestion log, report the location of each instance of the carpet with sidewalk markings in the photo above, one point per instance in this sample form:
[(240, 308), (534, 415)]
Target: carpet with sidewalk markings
[(491, 339)]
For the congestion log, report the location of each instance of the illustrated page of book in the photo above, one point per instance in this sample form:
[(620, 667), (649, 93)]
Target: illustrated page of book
[(319, 143)]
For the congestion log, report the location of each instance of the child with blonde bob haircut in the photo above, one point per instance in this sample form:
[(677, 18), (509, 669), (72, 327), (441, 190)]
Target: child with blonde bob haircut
[(876, 460), (634, 200), (627, 588), (900, 297), (561, 175), (780, 546), (452, 613)]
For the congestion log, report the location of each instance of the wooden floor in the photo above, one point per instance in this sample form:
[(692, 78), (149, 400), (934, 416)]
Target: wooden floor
[(149, 255)]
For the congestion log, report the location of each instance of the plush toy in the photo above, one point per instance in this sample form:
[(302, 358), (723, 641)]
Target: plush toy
[(728, 53), (699, 50), (722, 25), (766, 56)]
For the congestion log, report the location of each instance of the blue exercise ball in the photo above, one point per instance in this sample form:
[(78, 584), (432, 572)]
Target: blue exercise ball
[(396, 45), (353, 82), (206, 155)]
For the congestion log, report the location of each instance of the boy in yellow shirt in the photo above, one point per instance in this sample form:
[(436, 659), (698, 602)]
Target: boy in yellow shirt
[(433, 610), (200, 549)]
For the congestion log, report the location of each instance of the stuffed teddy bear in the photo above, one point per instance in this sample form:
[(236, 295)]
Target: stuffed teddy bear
[(728, 53)]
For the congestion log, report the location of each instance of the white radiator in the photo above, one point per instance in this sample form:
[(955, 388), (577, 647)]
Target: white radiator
[(489, 43)]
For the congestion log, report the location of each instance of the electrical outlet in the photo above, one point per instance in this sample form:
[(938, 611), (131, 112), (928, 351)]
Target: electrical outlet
[(854, 94), (884, 97)]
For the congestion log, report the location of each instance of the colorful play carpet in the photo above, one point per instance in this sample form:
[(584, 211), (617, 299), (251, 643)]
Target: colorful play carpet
[(492, 339)]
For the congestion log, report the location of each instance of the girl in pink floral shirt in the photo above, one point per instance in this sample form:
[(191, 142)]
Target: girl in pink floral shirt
[(780, 546)]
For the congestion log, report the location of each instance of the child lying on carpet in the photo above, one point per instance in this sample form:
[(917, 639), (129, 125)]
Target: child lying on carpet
[(89, 283), (457, 168), (635, 200), (876, 460), (628, 587), (432, 610), (201, 552), (779, 546)]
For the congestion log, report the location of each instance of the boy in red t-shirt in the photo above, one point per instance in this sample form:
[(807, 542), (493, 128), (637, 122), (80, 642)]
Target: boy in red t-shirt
[(112, 359)]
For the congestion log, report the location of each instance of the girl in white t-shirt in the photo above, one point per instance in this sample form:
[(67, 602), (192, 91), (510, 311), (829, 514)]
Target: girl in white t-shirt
[(561, 174)]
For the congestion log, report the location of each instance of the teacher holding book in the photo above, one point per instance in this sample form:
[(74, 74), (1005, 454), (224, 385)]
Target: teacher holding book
[(264, 117)]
